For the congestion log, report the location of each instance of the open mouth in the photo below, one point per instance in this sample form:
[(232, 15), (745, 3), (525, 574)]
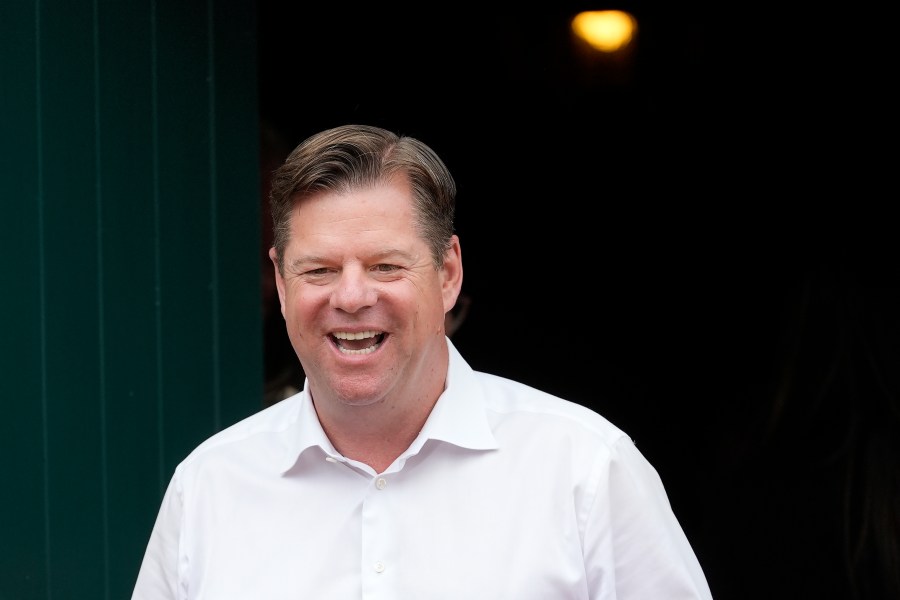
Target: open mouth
[(361, 342)]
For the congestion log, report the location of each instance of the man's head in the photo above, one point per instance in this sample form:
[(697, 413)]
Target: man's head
[(366, 266)]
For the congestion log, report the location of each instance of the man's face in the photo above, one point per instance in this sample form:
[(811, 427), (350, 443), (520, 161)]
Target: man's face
[(363, 303)]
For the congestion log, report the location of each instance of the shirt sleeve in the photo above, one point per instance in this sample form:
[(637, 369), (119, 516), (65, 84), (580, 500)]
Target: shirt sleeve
[(159, 573), (635, 549)]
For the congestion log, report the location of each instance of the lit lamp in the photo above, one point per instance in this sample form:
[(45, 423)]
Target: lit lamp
[(605, 30)]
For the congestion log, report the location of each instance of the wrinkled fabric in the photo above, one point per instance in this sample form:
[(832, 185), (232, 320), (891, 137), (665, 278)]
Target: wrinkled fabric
[(507, 493)]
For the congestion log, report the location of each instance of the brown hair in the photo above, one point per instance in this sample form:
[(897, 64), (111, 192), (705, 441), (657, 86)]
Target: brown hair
[(351, 157)]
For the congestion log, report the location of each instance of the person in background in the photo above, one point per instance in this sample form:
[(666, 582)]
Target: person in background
[(398, 471), (282, 375)]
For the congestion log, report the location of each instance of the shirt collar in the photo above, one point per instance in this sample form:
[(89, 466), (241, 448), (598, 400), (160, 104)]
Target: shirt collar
[(458, 417), (304, 432)]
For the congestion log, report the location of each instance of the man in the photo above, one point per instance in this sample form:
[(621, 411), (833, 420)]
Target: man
[(399, 472)]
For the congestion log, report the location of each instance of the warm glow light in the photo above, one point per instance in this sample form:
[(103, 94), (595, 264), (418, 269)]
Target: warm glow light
[(605, 30)]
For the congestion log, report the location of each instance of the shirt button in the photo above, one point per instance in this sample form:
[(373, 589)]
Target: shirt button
[(380, 483), (379, 567)]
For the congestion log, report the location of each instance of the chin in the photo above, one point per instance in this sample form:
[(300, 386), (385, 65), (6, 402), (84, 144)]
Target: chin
[(358, 391)]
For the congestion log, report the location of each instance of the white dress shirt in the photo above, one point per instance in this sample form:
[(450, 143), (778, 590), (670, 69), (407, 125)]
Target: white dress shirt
[(507, 493)]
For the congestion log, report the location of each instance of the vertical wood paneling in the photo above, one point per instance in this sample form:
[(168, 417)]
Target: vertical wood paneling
[(128, 228), (129, 248), (22, 516), (73, 357), (186, 290)]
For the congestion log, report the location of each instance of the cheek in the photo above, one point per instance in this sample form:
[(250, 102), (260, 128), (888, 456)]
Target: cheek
[(300, 306), (432, 314)]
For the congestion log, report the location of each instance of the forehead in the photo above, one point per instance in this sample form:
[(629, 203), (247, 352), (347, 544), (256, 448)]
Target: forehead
[(369, 214)]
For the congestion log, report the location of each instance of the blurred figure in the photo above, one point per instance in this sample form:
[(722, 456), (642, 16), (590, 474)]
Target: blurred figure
[(839, 391), (812, 458), (283, 374)]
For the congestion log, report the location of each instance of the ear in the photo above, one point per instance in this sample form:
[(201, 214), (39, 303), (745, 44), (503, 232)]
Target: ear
[(451, 274), (279, 280)]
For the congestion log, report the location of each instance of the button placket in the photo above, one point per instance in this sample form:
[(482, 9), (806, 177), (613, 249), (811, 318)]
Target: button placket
[(380, 484), (379, 544)]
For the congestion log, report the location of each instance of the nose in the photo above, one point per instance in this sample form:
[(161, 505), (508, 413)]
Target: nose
[(353, 290)]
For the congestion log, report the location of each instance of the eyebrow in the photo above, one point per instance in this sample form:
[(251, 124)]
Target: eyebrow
[(305, 260), (374, 257)]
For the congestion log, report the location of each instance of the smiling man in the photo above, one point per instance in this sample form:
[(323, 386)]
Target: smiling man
[(398, 471)]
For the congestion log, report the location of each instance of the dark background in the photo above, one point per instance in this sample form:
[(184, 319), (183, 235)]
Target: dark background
[(692, 238)]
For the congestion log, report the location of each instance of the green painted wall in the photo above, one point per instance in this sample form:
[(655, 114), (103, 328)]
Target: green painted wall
[(129, 296)]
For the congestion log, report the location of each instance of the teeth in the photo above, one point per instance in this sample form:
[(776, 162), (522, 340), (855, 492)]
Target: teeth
[(362, 335), (368, 350), (341, 335)]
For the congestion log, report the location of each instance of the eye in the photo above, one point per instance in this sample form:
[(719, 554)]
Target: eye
[(321, 271), (385, 268)]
